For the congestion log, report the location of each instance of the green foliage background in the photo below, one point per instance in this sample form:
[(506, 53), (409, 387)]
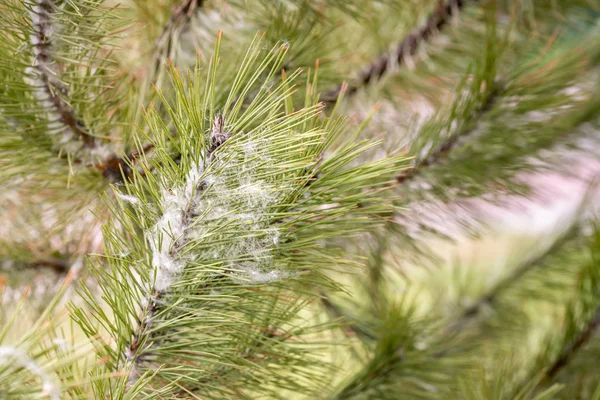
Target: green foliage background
[(192, 209)]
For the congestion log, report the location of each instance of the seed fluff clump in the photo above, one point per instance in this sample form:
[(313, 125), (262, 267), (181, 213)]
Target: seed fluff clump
[(227, 198)]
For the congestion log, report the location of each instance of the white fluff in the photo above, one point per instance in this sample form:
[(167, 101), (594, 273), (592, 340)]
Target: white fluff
[(235, 193), (252, 275), (127, 198), (168, 233)]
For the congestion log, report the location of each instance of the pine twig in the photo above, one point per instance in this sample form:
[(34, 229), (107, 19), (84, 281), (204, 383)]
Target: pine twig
[(182, 12), (493, 294), (569, 351), (45, 65), (58, 265), (115, 168), (490, 297), (113, 165), (406, 48), (335, 312), (140, 336), (52, 87), (181, 15), (450, 144)]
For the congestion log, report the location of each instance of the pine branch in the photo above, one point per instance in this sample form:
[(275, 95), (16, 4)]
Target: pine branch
[(67, 66), (450, 144), (113, 166), (216, 277), (473, 311), (116, 168), (45, 64), (507, 137), (572, 348), (583, 307), (141, 336), (406, 48), (350, 330), (180, 16), (58, 265), (436, 157), (402, 355)]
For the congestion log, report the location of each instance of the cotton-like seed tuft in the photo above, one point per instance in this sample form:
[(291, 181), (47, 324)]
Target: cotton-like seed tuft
[(233, 192), (128, 198), (251, 275)]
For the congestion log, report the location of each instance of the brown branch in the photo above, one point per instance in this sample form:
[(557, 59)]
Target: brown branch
[(374, 71), (573, 347), (116, 168), (442, 152), (181, 15), (406, 48), (490, 297), (58, 265), (45, 65)]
